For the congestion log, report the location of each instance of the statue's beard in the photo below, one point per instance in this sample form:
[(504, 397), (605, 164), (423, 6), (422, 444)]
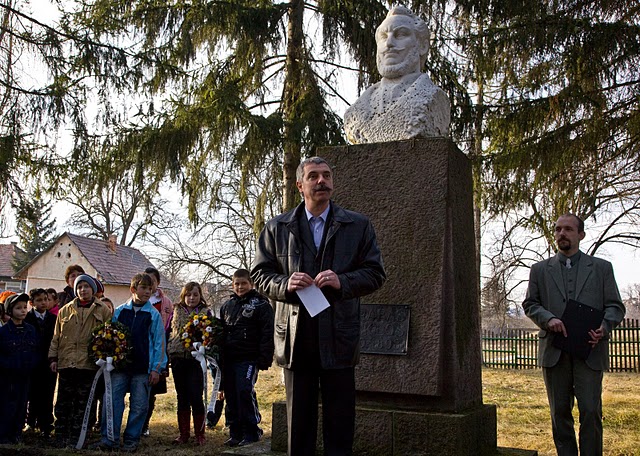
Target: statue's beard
[(409, 65)]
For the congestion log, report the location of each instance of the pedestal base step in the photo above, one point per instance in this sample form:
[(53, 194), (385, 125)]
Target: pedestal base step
[(382, 431)]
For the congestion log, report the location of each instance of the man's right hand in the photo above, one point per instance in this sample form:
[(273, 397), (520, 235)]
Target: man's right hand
[(298, 281), (556, 325)]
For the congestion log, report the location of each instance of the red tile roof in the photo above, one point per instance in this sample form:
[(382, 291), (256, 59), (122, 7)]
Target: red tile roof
[(7, 253), (113, 267)]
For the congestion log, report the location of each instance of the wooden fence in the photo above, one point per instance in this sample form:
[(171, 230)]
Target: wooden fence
[(518, 348)]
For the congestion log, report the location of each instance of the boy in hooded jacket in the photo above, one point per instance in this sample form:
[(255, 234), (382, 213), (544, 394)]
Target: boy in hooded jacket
[(148, 360)]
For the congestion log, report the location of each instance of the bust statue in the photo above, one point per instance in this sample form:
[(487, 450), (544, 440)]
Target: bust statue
[(405, 104)]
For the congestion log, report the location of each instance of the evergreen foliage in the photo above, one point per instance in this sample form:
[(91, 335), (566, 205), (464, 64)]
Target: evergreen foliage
[(34, 227), (560, 108), (246, 83), (544, 101)]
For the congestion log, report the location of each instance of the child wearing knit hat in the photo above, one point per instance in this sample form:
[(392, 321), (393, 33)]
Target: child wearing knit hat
[(69, 357), (18, 356), (3, 315)]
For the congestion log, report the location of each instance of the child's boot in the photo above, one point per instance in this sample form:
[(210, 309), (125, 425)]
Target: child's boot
[(198, 426), (184, 425)]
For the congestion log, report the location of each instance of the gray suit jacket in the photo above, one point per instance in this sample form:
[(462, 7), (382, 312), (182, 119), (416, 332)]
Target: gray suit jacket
[(546, 299)]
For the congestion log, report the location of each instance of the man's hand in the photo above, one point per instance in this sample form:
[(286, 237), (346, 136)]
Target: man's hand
[(54, 366), (596, 335), (556, 325), (328, 278), (154, 378), (298, 281)]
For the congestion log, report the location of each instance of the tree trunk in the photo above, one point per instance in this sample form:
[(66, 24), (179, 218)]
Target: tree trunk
[(476, 156), (293, 76)]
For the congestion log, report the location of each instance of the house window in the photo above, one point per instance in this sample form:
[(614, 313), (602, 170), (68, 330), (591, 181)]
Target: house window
[(14, 286)]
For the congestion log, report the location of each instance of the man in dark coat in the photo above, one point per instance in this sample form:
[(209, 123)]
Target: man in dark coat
[(318, 244)]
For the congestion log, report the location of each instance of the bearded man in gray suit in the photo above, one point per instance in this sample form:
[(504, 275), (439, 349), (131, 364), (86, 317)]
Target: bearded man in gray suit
[(573, 275)]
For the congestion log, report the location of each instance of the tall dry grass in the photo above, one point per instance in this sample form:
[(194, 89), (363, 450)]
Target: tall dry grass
[(523, 416)]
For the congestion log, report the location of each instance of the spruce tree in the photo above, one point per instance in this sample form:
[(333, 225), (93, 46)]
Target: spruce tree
[(242, 82), (34, 226), (560, 116)]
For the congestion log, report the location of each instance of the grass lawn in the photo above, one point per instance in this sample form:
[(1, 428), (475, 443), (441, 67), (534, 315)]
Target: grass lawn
[(523, 416), (523, 411)]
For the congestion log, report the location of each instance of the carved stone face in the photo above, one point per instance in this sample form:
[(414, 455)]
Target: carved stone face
[(399, 49)]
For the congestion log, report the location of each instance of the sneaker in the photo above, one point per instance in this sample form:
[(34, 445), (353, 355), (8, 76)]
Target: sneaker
[(145, 432), (232, 442), (130, 447), (251, 438), (101, 446)]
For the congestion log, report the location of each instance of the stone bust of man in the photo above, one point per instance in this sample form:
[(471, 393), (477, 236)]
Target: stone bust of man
[(405, 104)]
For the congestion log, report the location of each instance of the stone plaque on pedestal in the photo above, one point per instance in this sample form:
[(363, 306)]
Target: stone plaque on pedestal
[(384, 329)]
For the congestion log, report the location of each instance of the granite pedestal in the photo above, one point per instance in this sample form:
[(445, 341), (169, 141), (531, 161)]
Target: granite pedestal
[(426, 399)]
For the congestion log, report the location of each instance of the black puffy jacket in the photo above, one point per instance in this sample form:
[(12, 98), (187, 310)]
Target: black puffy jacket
[(248, 329)]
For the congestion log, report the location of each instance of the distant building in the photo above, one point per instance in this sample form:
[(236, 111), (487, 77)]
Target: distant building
[(113, 264), (216, 294), (8, 253)]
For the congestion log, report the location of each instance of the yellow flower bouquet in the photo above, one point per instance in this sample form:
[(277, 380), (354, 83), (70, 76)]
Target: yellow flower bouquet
[(111, 339), (205, 329)]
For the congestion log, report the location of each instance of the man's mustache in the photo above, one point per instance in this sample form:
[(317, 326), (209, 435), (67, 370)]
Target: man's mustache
[(322, 188)]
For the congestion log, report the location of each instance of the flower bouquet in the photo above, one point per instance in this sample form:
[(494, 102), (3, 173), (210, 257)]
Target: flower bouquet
[(204, 329), (111, 339)]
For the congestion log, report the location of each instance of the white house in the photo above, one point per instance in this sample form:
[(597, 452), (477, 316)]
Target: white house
[(113, 264)]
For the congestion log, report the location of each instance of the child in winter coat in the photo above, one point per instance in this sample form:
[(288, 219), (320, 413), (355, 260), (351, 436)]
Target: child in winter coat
[(40, 411), (148, 361), (187, 372), (247, 320), (163, 305), (18, 356), (69, 357)]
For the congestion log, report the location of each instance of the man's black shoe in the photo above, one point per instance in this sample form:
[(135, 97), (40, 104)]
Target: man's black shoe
[(245, 441), (232, 442)]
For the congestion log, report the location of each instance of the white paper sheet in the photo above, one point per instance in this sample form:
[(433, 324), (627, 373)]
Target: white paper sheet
[(313, 299)]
